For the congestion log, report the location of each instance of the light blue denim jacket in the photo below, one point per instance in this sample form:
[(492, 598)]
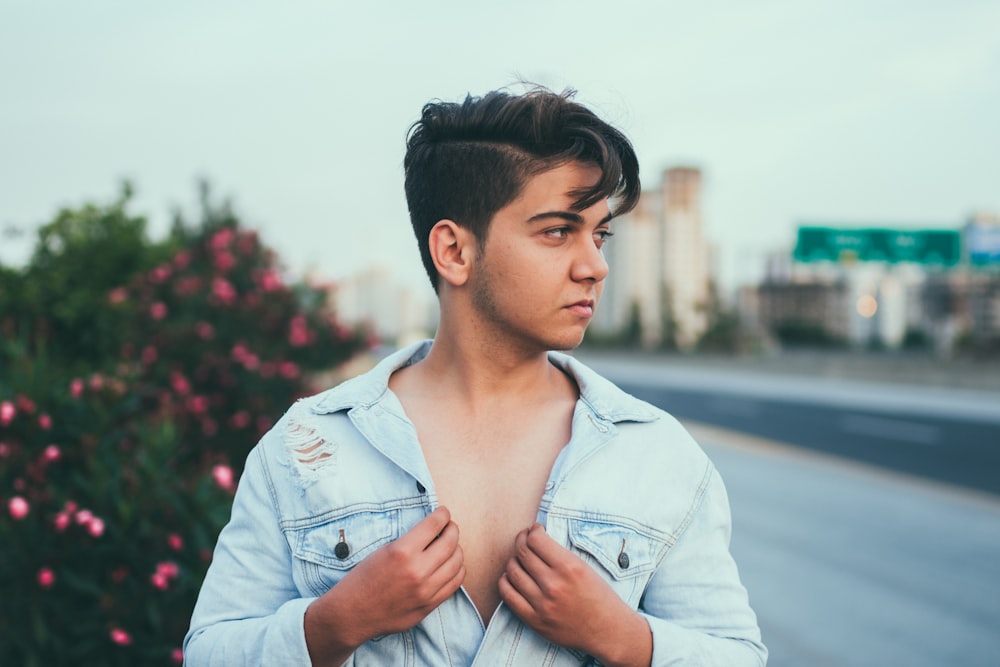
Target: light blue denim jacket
[(631, 494)]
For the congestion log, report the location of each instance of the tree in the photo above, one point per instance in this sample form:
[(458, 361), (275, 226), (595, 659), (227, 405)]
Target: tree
[(126, 412)]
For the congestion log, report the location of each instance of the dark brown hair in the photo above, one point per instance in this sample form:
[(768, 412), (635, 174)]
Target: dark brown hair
[(465, 161)]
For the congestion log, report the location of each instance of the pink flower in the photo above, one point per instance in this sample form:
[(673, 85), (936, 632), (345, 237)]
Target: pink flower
[(251, 362), (239, 352), (149, 355), (270, 281), (186, 286), (223, 290), (240, 420), (197, 404), (96, 381), (182, 259), (159, 580), (224, 261), (175, 542), (221, 239), (26, 404), (51, 453), (61, 521), (46, 577), (45, 422), (158, 310), (76, 388), (4, 449), (7, 412), (177, 655), (223, 475), (96, 527), (288, 369), (84, 517), (204, 330), (168, 569), (117, 295), (19, 508), (160, 274), (120, 637), (298, 333), (180, 383)]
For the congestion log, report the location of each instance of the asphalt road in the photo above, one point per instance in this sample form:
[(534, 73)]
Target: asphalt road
[(944, 434), (848, 565)]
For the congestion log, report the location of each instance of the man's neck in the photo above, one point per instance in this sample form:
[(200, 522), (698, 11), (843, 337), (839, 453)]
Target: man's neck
[(482, 375), (490, 373)]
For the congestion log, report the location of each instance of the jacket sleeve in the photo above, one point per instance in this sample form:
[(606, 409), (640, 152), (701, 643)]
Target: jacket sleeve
[(696, 607), (249, 610)]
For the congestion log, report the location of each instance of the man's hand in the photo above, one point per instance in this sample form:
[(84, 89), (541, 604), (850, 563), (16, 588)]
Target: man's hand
[(564, 600), (390, 591)]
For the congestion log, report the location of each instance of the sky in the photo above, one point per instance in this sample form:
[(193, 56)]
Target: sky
[(850, 113)]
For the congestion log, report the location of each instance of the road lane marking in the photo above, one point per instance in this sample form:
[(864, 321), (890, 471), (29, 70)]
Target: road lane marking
[(892, 429), (716, 436)]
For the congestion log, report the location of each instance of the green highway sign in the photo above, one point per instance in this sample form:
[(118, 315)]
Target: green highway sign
[(927, 246)]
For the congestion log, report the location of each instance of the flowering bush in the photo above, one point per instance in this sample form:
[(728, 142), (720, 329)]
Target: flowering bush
[(114, 482)]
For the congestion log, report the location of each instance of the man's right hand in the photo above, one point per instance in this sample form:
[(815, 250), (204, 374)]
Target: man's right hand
[(390, 591)]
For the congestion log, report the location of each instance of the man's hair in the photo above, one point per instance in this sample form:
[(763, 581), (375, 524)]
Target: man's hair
[(465, 161)]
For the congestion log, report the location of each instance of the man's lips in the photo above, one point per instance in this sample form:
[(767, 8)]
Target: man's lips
[(582, 308)]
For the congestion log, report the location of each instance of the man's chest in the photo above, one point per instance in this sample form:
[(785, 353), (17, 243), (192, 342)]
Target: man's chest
[(492, 487)]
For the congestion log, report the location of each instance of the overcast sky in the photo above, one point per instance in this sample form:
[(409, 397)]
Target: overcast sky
[(850, 112)]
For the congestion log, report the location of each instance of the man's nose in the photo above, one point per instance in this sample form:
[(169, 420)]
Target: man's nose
[(590, 263)]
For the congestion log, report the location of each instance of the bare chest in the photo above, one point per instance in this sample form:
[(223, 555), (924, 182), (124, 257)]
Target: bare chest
[(492, 487)]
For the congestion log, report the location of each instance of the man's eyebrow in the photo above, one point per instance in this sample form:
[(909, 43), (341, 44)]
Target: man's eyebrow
[(568, 216)]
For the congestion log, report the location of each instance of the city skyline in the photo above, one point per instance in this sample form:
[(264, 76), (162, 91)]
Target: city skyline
[(845, 112)]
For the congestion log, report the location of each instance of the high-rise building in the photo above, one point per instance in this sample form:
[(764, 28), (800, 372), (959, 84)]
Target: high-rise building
[(659, 265)]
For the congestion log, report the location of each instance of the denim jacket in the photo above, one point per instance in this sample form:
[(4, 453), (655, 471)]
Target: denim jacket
[(342, 474)]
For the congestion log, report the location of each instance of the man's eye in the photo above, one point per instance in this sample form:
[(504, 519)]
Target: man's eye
[(558, 232), (604, 234)]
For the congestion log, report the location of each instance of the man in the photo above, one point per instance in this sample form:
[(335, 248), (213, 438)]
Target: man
[(480, 500)]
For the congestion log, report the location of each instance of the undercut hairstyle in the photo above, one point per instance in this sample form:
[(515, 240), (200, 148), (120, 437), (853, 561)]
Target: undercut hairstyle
[(466, 161)]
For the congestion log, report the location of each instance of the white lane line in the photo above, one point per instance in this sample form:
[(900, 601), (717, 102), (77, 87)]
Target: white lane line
[(892, 429), (711, 435)]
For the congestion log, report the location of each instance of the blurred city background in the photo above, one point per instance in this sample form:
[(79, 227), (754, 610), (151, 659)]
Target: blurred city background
[(202, 218)]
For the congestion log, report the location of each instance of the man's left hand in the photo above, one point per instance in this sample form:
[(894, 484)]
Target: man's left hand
[(565, 601)]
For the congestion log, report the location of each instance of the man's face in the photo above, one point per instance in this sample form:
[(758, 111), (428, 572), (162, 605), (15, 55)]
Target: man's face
[(541, 271)]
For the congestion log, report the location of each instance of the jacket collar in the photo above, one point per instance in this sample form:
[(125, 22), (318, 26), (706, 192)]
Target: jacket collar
[(607, 401)]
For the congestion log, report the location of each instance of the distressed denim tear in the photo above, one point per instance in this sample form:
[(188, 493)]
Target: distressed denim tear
[(310, 453)]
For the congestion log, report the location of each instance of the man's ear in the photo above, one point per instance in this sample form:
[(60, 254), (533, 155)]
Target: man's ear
[(453, 248)]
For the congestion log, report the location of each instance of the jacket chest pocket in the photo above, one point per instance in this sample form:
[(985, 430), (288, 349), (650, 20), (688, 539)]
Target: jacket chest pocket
[(624, 556), (324, 553)]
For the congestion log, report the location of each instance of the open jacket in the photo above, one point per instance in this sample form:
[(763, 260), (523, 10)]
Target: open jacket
[(342, 474)]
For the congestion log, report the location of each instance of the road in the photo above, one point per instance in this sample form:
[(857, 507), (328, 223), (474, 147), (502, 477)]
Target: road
[(866, 515), (944, 434), (848, 565)]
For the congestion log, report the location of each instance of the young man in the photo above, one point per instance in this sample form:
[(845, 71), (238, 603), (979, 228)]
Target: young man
[(481, 500)]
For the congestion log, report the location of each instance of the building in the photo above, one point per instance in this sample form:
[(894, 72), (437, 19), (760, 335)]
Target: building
[(887, 288), (659, 265), (393, 312)]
